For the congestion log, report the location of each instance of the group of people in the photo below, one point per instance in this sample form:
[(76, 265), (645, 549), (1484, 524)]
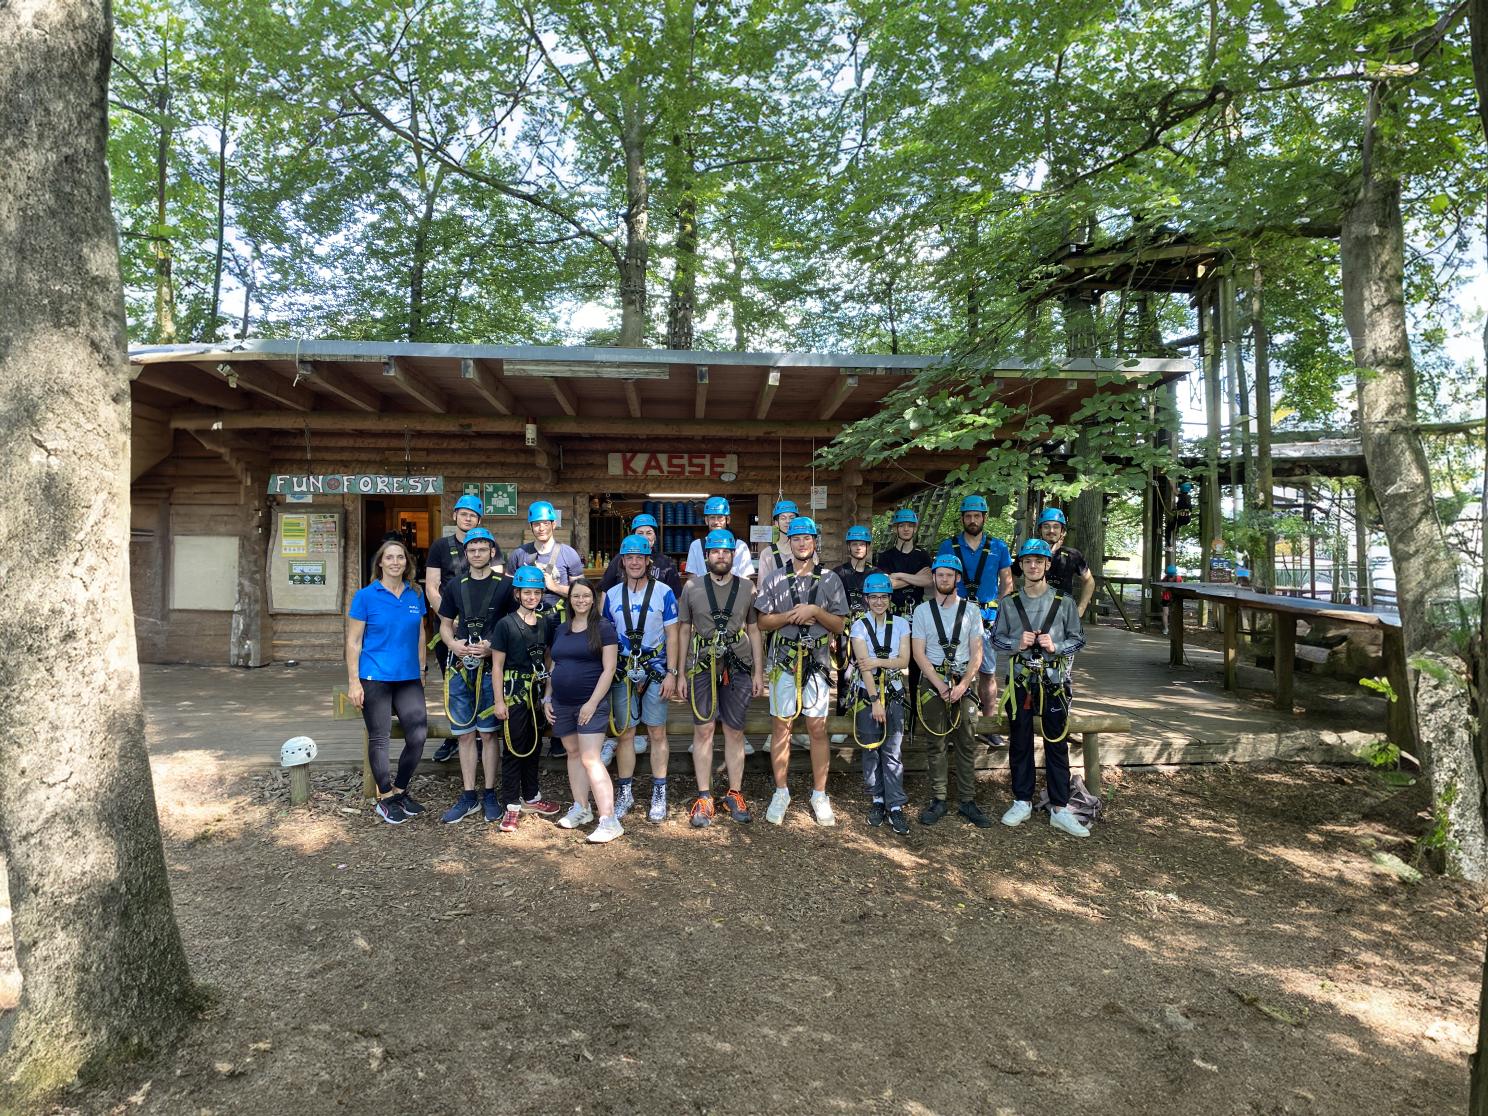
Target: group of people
[(903, 644)]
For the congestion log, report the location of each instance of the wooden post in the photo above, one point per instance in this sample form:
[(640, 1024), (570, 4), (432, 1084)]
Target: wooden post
[(1400, 715), (1264, 574), (1209, 505), (1091, 742), (299, 784), (1361, 541), (1231, 645), (1284, 644), (1175, 631)]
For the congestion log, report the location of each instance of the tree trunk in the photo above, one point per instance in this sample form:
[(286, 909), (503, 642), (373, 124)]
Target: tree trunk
[(417, 267), (683, 302), (1477, 17), (221, 217), (1265, 573), (165, 289), (1086, 513), (637, 242), (104, 975), (1373, 254)]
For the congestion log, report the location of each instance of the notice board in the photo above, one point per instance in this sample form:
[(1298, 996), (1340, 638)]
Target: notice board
[(305, 561)]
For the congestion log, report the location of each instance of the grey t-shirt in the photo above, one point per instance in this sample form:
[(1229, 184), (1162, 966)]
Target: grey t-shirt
[(971, 632), (693, 608), (775, 597)]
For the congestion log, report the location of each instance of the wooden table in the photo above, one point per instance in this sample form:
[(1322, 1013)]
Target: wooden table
[(1288, 610)]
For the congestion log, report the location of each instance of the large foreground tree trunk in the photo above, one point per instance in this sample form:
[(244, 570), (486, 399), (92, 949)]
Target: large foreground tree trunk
[(1373, 255), (104, 974)]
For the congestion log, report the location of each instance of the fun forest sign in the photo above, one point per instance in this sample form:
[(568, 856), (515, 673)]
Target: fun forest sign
[(353, 484), (673, 464)]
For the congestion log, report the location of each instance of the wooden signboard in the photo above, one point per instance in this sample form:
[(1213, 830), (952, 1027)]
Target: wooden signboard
[(353, 484), (673, 464)]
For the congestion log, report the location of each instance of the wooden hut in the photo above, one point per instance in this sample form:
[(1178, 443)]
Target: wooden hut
[(265, 473)]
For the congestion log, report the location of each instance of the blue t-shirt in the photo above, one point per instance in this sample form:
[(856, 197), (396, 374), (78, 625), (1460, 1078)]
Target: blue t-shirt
[(576, 669), (661, 614), (395, 627), (999, 558)]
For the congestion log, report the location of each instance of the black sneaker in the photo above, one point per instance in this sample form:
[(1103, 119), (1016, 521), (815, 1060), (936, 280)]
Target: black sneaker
[(555, 748), (410, 807), (898, 822), (876, 814), (993, 741), (973, 813), (933, 812), (391, 811), (448, 749)]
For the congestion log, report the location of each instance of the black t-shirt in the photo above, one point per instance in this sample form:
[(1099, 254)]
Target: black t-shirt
[(852, 584), (1067, 565), (489, 598), (523, 644), (892, 561), (447, 555), (662, 568)]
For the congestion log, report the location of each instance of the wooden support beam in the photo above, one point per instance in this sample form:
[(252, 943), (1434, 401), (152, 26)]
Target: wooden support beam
[(700, 401), (190, 382), (633, 399), (1284, 658), (487, 381), (342, 385), (838, 396), (1091, 746), (561, 425), (268, 383), (565, 396), (766, 393), (400, 372), (544, 453), (1231, 645)]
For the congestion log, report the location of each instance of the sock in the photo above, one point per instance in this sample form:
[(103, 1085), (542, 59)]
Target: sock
[(659, 783), (624, 782)]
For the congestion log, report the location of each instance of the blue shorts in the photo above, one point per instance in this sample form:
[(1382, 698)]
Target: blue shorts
[(989, 653), (462, 708), (566, 720), (647, 707)]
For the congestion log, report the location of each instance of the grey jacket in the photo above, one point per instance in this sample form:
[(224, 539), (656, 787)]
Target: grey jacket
[(1062, 626)]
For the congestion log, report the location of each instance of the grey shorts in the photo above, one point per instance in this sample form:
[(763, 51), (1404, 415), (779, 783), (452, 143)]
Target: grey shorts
[(733, 698)]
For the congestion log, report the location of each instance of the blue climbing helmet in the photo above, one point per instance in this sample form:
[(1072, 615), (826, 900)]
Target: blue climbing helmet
[(471, 503), (643, 520), (528, 577), (946, 562), (1185, 487), (784, 507), (1172, 569), (802, 525), (716, 505), (1053, 515), (542, 512), (974, 504), (635, 544), (1242, 571), (477, 533), (877, 583), (859, 533), (719, 540), (906, 515), (1036, 547)]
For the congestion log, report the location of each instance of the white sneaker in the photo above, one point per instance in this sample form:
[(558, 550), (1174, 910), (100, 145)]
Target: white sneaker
[(1018, 813), (749, 748), (641, 744), (1066, 822), (607, 830), (821, 808), (766, 745), (801, 740), (578, 814), (607, 751), (839, 738), (690, 747), (775, 814)]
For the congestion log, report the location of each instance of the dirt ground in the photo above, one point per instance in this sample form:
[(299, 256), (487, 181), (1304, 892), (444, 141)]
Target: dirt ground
[(1222, 944)]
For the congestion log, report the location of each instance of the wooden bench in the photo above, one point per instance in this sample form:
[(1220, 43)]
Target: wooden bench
[(1088, 727)]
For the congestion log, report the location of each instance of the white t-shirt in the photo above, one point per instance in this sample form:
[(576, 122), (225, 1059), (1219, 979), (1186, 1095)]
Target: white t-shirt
[(697, 561), (897, 630)]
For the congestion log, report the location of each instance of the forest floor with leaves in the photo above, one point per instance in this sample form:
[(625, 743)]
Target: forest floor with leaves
[(1225, 942)]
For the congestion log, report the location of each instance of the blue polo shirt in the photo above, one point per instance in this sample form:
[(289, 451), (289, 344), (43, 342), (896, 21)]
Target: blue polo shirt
[(998, 559), (395, 627)]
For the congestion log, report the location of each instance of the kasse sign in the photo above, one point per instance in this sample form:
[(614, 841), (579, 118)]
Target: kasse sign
[(673, 464)]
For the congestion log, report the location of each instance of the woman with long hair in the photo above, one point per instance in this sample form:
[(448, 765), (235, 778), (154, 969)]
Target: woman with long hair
[(581, 664), (385, 655)]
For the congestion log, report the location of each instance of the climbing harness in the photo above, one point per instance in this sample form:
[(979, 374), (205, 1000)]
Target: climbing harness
[(799, 648), (478, 622), (719, 647), (882, 677), (1039, 669), (641, 664), (948, 647)]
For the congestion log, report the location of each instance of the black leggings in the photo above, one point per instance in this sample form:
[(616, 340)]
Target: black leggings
[(381, 700), (519, 773)]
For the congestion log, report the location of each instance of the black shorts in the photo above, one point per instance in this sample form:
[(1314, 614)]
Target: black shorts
[(733, 698)]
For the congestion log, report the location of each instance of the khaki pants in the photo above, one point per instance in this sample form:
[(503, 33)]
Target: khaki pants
[(937, 715)]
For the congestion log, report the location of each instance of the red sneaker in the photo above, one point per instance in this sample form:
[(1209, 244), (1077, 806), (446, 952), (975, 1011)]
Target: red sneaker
[(544, 806), (511, 819)]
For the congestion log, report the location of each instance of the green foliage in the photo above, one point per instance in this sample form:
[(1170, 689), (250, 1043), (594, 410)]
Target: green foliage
[(1381, 685)]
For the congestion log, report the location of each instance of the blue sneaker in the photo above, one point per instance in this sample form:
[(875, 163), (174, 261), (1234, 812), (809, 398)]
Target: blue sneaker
[(466, 805), (448, 749), (491, 808), (410, 807), (391, 811)]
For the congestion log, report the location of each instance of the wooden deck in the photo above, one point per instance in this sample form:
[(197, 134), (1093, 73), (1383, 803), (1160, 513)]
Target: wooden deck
[(1178, 714)]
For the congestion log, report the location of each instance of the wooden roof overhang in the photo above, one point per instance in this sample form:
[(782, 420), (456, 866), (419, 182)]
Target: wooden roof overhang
[(561, 403)]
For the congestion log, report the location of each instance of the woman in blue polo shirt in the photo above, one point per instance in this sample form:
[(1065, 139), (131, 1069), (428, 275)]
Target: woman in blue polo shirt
[(385, 674)]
